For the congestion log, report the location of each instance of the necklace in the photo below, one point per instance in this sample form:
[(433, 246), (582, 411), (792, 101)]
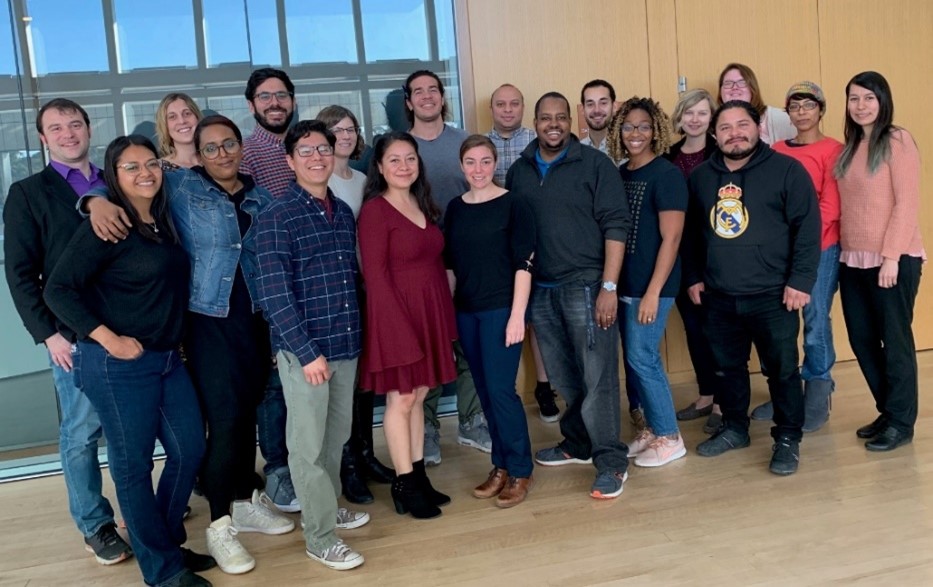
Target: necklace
[(153, 226)]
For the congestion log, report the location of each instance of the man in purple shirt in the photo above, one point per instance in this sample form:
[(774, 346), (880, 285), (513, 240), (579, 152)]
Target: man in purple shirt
[(271, 98), (40, 219)]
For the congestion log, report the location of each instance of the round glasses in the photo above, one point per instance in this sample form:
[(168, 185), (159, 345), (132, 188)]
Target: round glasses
[(212, 151)]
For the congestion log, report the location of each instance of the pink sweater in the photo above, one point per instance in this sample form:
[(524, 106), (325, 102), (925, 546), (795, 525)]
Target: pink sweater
[(880, 211)]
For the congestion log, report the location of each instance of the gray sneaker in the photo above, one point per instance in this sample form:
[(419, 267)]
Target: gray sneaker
[(280, 490), (475, 433), (339, 557), (432, 445), (349, 519), (763, 412)]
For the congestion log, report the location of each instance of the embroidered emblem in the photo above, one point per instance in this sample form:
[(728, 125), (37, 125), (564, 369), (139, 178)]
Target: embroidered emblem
[(729, 218)]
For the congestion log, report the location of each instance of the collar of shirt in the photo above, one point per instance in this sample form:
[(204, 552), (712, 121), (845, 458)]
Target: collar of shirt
[(76, 179), (545, 166)]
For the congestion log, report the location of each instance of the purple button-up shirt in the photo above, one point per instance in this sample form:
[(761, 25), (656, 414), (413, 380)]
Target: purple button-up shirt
[(80, 184)]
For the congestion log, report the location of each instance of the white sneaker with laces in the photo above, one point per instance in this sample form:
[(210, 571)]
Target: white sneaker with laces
[(339, 557), (225, 547), (260, 515)]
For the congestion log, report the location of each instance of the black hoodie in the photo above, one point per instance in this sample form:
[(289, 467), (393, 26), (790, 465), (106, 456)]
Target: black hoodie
[(754, 230)]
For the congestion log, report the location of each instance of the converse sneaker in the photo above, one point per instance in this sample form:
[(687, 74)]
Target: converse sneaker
[(608, 484), (339, 556), (432, 445), (662, 451), (280, 490), (226, 549), (259, 515), (475, 433), (348, 519), (107, 546), (640, 442)]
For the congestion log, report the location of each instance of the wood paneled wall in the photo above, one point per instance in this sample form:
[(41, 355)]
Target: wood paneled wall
[(643, 46)]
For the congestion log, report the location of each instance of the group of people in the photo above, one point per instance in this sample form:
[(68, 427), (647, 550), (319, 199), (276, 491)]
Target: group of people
[(208, 255)]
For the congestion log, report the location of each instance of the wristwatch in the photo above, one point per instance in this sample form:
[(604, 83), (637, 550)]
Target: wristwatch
[(609, 286)]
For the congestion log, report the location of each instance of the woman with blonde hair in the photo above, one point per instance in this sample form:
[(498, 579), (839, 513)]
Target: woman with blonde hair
[(176, 118)]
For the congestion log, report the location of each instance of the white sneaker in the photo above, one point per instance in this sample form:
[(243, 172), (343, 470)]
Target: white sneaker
[(661, 452), (260, 515), (348, 519), (226, 549), (641, 441), (339, 557)]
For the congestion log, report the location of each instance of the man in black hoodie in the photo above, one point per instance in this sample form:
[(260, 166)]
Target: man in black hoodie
[(754, 224)]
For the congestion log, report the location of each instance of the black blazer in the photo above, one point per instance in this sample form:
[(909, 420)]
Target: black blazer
[(39, 218)]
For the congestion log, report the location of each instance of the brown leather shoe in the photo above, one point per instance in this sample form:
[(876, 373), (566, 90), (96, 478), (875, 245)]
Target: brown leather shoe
[(492, 485), (515, 491)]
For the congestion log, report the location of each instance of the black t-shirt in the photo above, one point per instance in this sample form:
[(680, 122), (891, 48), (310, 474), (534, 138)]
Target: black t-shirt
[(486, 244), (657, 187)]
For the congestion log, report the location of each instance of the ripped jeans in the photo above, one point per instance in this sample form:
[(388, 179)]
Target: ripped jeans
[(582, 363)]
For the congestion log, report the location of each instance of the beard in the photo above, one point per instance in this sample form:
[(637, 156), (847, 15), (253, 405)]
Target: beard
[(275, 129), (741, 153), (599, 125)]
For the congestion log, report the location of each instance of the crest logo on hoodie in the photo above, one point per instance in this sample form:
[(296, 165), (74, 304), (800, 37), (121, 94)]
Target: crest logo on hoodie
[(729, 218)]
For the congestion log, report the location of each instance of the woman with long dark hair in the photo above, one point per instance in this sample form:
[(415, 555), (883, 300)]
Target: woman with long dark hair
[(126, 300), (409, 319), (878, 173)]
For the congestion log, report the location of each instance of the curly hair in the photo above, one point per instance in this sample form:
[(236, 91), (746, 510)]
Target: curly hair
[(660, 122)]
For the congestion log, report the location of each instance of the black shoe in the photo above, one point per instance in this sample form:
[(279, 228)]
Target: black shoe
[(713, 424), (354, 487), (196, 562), (889, 439), (547, 407), (188, 579), (108, 547), (724, 440), (408, 497), (874, 429), (363, 437), (433, 495), (786, 456), (763, 412)]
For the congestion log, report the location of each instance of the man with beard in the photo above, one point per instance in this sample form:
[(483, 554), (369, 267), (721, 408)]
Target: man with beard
[(270, 96), (598, 98), (754, 231), (582, 215)]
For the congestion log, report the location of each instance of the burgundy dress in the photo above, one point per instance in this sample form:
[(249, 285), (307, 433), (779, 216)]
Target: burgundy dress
[(409, 320)]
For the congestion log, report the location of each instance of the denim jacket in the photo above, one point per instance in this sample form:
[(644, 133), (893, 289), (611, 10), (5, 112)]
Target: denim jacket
[(206, 222)]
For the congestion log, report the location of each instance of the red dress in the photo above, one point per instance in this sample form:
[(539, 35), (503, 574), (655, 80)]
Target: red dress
[(409, 322)]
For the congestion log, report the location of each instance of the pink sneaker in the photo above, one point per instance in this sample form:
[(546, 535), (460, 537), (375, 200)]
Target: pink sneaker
[(641, 441), (662, 451)]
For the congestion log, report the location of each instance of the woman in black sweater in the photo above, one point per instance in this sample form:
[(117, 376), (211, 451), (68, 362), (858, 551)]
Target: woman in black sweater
[(126, 301)]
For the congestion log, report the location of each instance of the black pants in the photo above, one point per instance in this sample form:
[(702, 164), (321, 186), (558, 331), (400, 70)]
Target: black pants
[(878, 321), (732, 324), (700, 354), (228, 359)]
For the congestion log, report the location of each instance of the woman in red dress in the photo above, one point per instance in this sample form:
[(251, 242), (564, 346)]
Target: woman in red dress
[(409, 319)]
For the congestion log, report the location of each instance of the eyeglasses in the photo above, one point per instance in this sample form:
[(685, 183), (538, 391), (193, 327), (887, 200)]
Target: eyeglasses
[(805, 106), (266, 97), (729, 84), (350, 130), (642, 128), (305, 151), (212, 151), (152, 166)]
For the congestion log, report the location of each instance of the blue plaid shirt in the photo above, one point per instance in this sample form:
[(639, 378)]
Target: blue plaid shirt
[(510, 149), (307, 284)]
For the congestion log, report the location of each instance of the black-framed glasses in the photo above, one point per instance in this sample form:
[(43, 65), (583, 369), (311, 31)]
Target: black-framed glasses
[(349, 130), (739, 83), (642, 128), (212, 151), (266, 97), (806, 106), (306, 151), (134, 168)]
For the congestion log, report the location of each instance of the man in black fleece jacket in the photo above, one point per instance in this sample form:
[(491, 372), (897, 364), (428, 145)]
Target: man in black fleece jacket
[(754, 233)]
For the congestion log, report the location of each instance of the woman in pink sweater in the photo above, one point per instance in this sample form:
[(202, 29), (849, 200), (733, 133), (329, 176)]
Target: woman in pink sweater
[(879, 185)]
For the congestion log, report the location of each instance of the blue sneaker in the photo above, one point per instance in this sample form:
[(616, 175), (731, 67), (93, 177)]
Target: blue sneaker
[(555, 456), (608, 484), (280, 490)]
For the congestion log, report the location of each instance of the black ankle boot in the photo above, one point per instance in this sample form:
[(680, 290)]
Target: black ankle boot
[(354, 487), (409, 497), (433, 495), (363, 437)]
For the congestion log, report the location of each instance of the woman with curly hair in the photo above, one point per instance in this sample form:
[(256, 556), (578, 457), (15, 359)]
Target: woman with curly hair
[(657, 197)]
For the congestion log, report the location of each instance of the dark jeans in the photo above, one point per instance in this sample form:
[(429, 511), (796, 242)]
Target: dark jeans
[(732, 324), (582, 362), (495, 367), (139, 401), (701, 357), (879, 324), (271, 416)]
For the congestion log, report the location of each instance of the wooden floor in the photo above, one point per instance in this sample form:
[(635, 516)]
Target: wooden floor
[(847, 517)]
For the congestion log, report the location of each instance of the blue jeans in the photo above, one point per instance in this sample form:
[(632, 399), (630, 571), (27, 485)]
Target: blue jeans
[(495, 367), (270, 417), (644, 372), (139, 401), (79, 433), (819, 355), (582, 362)]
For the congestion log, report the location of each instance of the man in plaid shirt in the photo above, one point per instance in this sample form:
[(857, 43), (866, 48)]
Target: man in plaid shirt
[(306, 245)]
